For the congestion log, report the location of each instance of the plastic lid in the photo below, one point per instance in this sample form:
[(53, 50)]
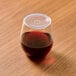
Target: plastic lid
[(37, 21)]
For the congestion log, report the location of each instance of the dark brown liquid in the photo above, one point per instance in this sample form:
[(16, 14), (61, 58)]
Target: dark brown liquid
[(36, 44)]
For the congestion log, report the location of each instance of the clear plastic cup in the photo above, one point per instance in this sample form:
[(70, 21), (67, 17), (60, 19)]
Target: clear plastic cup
[(35, 36)]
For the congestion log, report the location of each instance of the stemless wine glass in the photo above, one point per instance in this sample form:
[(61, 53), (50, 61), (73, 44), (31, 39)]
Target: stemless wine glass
[(35, 36)]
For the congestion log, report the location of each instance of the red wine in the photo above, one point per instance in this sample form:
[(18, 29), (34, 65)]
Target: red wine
[(36, 44)]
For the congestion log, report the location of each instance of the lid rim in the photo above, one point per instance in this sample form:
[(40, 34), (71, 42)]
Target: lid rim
[(37, 27)]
